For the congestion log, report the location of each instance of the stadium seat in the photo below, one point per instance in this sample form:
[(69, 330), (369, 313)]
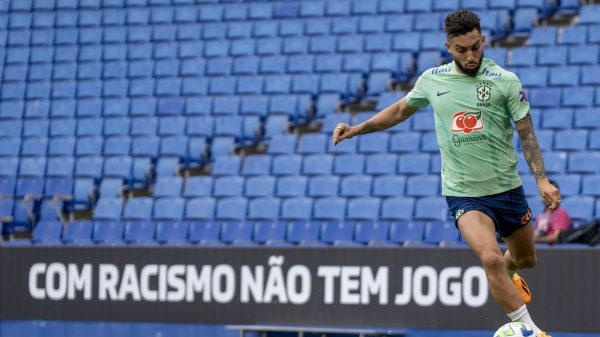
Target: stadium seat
[(346, 164), (78, 232), (406, 231), (47, 232), (437, 232), (574, 140), (331, 208), (259, 186), (397, 208), (579, 207), (356, 186), (139, 232), (108, 232), (108, 208), (364, 208), (231, 208), (138, 209), (172, 232), (584, 162), (264, 208)]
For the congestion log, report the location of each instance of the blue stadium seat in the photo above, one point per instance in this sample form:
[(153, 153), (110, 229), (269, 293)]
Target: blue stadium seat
[(587, 118), (438, 232), (364, 208), (270, 233), (205, 233), (543, 36), (168, 187), (312, 143), (32, 166), (545, 98), (583, 54), (422, 185), (397, 208), (356, 186), (233, 208), (590, 75), (331, 208), (287, 165), (259, 186), (282, 144), (108, 208), (584, 162), (431, 208), (138, 209), (296, 208), (226, 165), (578, 96), (523, 57), (35, 127), (264, 208), (333, 231), (30, 187), (169, 209), (557, 118), (201, 208), (60, 166), (78, 232), (552, 56), (323, 186), (373, 233), (533, 77), (565, 76), (291, 186), (318, 164), (9, 166), (108, 232), (7, 186), (383, 163), (172, 232), (237, 233), (402, 232), (139, 232), (579, 207), (389, 186), (570, 7), (591, 185), (47, 232), (417, 163), (574, 140), (374, 143), (345, 164), (228, 186)]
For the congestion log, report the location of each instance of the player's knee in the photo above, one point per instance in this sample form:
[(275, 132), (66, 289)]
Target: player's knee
[(492, 261), (527, 261)]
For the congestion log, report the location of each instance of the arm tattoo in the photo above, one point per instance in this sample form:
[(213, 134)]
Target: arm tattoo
[(530, 147), (368, 127)]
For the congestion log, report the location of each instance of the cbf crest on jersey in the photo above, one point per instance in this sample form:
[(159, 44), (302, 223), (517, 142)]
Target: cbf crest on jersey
[(484, 92)]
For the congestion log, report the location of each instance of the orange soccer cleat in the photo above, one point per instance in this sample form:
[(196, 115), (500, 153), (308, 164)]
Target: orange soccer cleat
[(523, 289), (543, 334)]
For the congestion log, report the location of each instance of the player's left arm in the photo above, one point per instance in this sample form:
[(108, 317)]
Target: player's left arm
[(533, 155)]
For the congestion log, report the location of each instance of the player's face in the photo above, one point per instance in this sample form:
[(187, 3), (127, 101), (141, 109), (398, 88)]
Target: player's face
[(467, 51)]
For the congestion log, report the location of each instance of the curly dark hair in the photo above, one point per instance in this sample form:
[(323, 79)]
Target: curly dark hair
[(461, 22)]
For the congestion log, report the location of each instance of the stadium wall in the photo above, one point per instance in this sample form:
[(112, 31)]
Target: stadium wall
[(379, 287)]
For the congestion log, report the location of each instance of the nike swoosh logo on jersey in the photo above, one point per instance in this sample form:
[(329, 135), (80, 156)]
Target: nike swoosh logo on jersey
[(442, 93)]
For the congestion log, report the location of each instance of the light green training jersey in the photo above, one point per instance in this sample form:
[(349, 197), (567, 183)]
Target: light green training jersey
[(473, 126)]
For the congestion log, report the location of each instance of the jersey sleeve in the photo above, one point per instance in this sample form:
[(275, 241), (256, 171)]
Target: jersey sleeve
[(516, 100), (417, 97)]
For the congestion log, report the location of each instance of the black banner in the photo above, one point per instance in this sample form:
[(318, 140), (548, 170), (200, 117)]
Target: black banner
[(383, 287)]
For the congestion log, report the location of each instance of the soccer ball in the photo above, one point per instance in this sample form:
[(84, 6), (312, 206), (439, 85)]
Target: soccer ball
[(514, 329)]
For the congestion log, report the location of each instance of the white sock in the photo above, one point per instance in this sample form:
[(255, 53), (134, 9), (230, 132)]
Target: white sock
[(522, 315)]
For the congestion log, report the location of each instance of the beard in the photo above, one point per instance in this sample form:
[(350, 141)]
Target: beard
[(468, 71)]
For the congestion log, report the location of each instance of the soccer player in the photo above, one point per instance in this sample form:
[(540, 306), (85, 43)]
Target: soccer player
[(474, 101)]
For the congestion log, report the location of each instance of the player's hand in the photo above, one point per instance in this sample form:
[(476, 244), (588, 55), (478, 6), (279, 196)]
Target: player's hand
[(550, 194), (342, 131)]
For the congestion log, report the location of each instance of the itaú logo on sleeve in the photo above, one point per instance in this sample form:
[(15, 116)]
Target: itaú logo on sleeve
[(466, 122)]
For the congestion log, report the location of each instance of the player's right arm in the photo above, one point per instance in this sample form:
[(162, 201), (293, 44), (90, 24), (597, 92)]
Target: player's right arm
[(385, 119)]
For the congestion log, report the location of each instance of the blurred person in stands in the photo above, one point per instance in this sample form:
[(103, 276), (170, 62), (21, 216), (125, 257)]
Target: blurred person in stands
[(551, 223), (474, 101)]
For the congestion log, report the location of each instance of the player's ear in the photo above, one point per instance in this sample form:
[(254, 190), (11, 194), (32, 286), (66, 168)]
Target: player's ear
[(482, 39), (447, 44)]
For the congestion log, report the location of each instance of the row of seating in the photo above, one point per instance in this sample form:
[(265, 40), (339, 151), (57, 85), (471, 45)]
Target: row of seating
[(213, 233), (64, 110), (181, 11), (67, 32)]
